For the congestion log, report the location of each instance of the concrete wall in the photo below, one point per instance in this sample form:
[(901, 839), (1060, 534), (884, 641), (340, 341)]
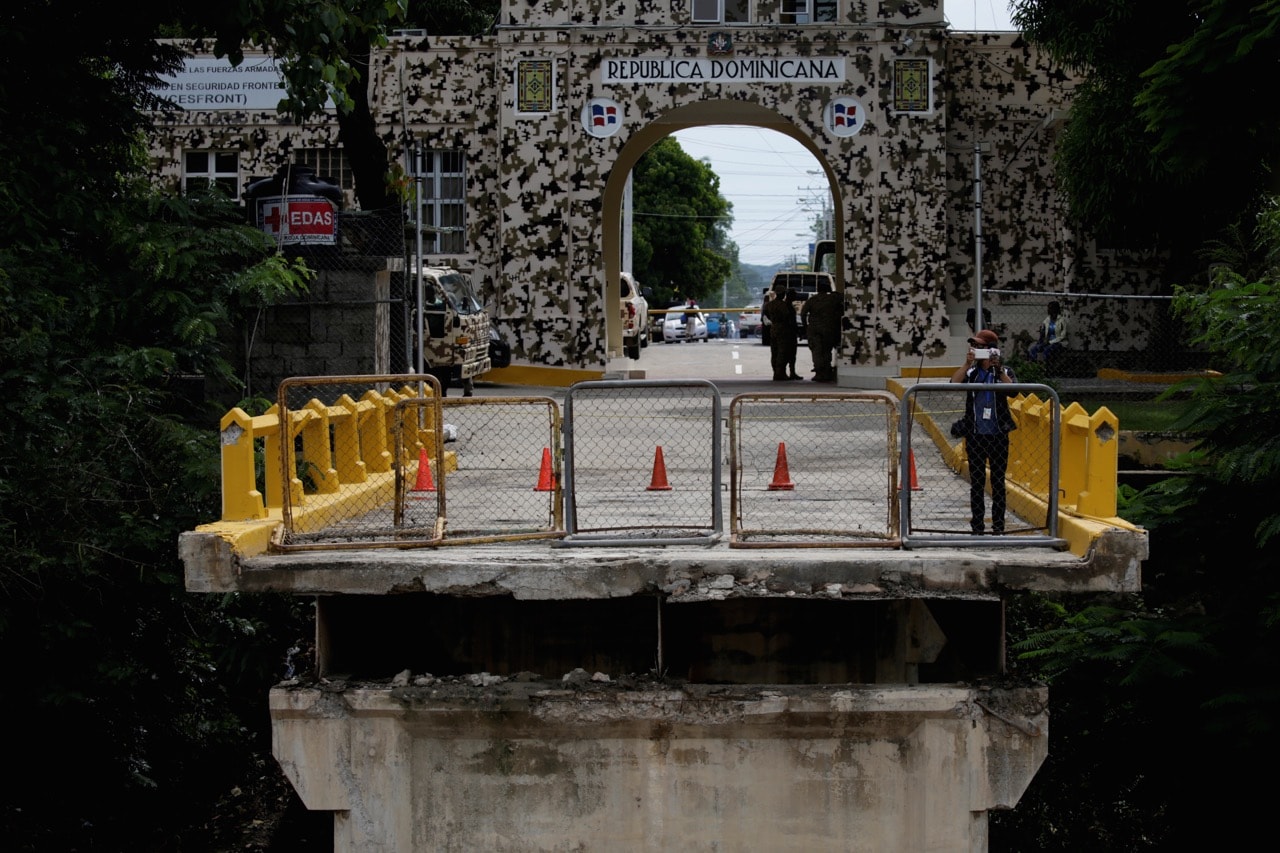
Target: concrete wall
[(451, 765)]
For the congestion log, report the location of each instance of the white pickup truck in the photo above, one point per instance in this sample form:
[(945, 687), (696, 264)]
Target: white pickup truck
[(635, 317)]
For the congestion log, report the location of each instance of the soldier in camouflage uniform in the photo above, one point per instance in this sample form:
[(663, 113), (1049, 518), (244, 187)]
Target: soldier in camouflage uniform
[(821, 315), (784, 334)]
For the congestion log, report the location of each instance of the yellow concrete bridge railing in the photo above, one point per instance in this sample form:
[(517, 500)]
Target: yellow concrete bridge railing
[(1088, 458), (345, 451), (340, 444)]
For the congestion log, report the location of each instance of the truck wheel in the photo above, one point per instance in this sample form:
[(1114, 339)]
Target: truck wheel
[(631, 350)]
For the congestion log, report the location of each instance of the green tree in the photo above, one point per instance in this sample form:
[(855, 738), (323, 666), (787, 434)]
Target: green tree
[(325, 48), (128, 693), (453, 17), (1162, 147), (680, 241), (1165, 702)]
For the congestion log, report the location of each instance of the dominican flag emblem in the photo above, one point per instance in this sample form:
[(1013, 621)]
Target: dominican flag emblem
[(845, 116), (601, 117)]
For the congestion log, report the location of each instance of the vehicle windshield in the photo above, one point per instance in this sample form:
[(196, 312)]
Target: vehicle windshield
[(458, 288)]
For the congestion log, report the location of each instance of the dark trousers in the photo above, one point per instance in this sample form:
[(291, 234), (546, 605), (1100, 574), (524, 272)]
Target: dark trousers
[(783, 354), (984, 450), (820, 346)]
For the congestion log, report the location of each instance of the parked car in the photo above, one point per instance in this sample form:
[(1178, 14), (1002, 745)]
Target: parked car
[(674, 330), (749, 321), (499, 350), (635, 317)]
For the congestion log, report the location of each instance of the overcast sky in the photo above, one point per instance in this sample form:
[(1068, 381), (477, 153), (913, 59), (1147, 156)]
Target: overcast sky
[(767, 176)]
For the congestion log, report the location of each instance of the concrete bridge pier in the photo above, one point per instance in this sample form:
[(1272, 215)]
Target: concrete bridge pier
[(452, 764)]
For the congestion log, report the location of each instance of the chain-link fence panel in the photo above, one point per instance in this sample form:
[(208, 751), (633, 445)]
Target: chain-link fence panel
[(1091, 332), (347, 444), (420, 498), (642, 462), (506, 481), (809, 470), (355, 318), (980, 467)]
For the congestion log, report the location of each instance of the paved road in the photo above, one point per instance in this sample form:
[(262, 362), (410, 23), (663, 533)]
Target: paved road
[(714, 359)]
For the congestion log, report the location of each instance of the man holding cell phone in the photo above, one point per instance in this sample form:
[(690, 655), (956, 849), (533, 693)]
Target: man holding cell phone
[(987, 424)]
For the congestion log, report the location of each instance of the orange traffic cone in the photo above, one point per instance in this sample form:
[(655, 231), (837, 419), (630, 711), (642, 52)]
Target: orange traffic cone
[(781, 475), (658, 483), (546, 481), (911, 462), (424, 483)]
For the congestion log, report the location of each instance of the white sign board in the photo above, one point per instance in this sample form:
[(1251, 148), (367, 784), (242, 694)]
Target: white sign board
[(776, 69), (215, 84)]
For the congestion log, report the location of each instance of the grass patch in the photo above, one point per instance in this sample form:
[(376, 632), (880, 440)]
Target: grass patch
[(1140, 415)]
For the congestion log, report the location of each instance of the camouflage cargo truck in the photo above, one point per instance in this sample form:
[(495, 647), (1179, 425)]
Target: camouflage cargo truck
[(455, 348)]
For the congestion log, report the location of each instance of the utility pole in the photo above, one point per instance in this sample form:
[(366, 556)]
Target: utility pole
[(978, 149)]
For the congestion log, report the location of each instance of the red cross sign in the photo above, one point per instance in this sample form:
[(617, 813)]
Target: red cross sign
[(299, 219)]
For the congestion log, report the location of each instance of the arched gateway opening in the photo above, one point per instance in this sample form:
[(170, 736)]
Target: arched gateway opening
[(701, 114)]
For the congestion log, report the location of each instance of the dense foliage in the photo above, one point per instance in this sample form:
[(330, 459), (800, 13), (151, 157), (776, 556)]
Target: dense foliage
[(128, 695), (1165, 142), (1167, 704), (680, 242), (325, 48)]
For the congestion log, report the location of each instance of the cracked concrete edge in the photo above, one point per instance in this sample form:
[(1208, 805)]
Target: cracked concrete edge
[(534, 571)]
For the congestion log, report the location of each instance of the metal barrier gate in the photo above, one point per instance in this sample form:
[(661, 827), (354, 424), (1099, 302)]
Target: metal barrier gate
[(360, 461), (342, 461), (813, 470), (642, 463), (505, 485), (1011, 500)]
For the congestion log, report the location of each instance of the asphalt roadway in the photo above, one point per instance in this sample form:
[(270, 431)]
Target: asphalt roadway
[(734, 365), (743, 359)]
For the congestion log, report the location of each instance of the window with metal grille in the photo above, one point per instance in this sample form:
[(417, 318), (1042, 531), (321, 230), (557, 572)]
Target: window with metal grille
[(328, 163), (444, 202), (202, 170)]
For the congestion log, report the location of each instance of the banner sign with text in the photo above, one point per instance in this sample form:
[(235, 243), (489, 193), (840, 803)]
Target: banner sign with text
[(215, 84), (787, 69)]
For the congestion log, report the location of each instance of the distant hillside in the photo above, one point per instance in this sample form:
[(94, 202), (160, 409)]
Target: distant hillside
[(757, 277)]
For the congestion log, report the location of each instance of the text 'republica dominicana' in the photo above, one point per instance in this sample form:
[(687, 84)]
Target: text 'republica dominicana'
[(806, 69)]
